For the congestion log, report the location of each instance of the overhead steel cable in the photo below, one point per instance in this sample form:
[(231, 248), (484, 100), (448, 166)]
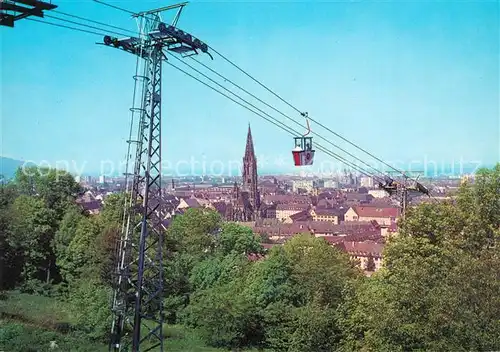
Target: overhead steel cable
[(122, 9), (280, 98), (300, 112), (277, 123), (278, 111), (64, 26), (247, 102), (338, 157), (92, 21), (84, 25)]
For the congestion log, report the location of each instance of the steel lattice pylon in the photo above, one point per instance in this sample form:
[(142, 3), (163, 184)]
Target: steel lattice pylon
[(140, 269), (138, 286), (138, 293)]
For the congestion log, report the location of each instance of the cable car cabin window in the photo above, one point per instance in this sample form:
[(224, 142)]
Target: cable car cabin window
[(304, 143), (307, 143)]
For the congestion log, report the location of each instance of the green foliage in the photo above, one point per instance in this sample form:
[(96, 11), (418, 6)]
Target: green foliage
[(80, 255), (89, 308), (370, 264), (34, 309), (33, 226), (217, 271), (437, 290), (269, 303), (30, 210), (308, 328), (57, 188), (190, 239), (112, 212), (9, 266), (235, 238), (22, 338), (194, 232)]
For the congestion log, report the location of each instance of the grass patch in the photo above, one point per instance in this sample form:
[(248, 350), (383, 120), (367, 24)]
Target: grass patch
[(39, 310), (28, 323), (180, 339), (15, 336)]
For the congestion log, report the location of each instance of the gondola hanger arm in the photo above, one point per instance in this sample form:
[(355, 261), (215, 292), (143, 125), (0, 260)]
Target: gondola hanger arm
[(307, 123)]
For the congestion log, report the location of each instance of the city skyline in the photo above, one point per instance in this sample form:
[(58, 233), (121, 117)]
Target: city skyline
[(379, 80)]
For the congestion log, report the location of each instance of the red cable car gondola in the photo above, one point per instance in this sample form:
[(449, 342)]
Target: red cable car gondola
[(303, 154)]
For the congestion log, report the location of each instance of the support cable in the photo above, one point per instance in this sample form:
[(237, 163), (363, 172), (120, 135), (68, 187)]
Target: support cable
[(280, 98), (64, 26), (84, 25), (273, 108), (278, 124), (233, 83), (300, 112), (118, 8), (92, 21)]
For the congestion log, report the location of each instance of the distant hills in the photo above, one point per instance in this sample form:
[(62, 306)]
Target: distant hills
[(8, 166)]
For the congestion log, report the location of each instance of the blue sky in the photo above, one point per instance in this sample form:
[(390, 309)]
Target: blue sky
[(405, 80)]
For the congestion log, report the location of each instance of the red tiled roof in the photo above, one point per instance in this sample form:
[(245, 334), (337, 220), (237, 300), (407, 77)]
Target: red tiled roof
[(358, 196), (376, 211), (328, 211), (362, 248), (283, 229), (292, 207), (221, 207), (92, 205), (192, 202), (326, 203), (301, 216), (287, 198), (333, 239), (345, 228)]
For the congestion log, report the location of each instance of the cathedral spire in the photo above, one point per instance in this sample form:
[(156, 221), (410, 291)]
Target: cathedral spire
[(249, 152), (250, 179)]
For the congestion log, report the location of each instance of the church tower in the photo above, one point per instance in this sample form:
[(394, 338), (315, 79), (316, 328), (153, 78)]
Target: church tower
[(249, 174)]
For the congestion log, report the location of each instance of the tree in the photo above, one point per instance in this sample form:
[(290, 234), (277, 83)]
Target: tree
[(234, 238), (285, 301), (110, 222), (319, 270), (189, 240), (8, 256), (57, 188), (437, 288), (370, 264), (31, 237), (194, 232), (89, 308), (67, 229), (224, 317), (112, 211), (305, 320), (429, 298), (472, 222), (217, 270)]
